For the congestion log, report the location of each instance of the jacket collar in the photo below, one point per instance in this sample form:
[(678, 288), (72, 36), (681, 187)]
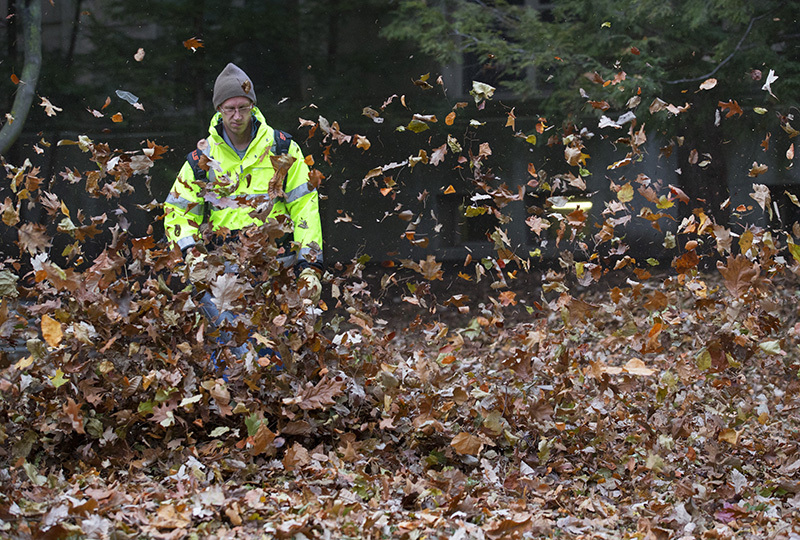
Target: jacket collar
[(259, 125)]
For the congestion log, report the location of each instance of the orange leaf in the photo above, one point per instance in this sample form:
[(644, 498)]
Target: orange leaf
[(51, 330), (117, 118), (450, 190), (450, 118), (14, 79), (193, 44), (732, 107)]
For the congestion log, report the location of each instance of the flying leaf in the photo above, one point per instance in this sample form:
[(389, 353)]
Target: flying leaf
[(193, 44), (430, 269), (139, 56), (438, 155), (226, 291), (738, 273), (771, 78), (625, 193), (481, 91), (761, 195), (732, 107), (757, 170), (49, 108), (708, 84), (117, 118)]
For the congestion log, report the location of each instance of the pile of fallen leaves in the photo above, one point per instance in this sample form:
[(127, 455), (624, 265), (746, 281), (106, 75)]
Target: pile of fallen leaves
[(616, 398)]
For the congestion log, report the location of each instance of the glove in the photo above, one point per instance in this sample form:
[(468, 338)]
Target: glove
[(309, 285)]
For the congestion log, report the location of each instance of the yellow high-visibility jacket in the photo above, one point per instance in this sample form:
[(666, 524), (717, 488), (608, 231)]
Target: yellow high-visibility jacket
[(185, 207)]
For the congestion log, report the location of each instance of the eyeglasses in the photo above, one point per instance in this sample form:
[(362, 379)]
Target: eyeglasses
[(231, 111)]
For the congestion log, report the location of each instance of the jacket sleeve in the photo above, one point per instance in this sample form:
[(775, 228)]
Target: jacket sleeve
[(183, 209), (302, 201)]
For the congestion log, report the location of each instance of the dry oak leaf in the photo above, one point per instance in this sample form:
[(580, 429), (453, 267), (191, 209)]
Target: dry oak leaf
[(33, 238), (738, 273), (226, 291), (73, 412), (49, 108), (296, 456), (320, 396)]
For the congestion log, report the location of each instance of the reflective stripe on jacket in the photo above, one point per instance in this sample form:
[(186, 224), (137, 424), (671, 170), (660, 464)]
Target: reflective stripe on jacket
[(242, 184)]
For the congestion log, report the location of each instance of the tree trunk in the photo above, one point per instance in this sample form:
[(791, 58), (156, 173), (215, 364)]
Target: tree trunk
[(31, 15)]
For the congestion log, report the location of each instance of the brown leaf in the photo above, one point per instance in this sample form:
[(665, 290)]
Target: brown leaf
[(738, 273), (467, 444), (319, 396), (73, 412), (509, 528), (430, 269), (281, 163), (262, 439), (438, 155), (33, 238), (757, 170), (226, 291), (296, 456)]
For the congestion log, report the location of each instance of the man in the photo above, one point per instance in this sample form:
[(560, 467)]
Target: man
[(242, 151)]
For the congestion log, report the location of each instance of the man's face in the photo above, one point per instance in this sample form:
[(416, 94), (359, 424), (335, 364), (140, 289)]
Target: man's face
[(236, 115)]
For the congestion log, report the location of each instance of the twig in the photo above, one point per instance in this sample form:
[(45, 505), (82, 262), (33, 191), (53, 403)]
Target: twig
[(730, 56)]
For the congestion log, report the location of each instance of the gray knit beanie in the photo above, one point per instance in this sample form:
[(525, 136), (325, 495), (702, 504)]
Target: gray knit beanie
[(232, 82)]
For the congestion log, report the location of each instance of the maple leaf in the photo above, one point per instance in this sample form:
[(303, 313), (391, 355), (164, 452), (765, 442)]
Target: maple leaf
[(739, 274), (226, 291)]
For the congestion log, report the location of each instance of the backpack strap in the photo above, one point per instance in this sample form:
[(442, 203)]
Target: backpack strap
[(281, 142)]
